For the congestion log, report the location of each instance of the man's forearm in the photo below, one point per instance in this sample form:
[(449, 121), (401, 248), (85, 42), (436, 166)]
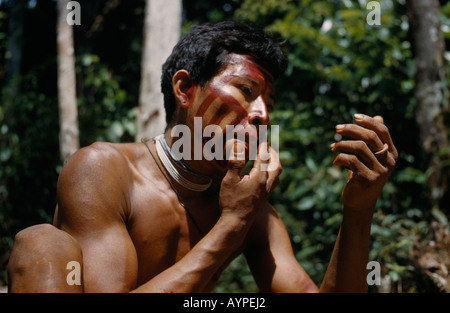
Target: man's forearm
[(196, 269), (347, 268)]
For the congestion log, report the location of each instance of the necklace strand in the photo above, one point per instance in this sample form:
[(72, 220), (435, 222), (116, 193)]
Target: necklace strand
[(166, 156), (174, 189)]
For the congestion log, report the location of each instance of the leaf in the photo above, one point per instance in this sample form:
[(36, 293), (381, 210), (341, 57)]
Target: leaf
[(410, 174), (306, 203), (350, 14), (311, 165), (439, 216), (115, 131), (5, 154)]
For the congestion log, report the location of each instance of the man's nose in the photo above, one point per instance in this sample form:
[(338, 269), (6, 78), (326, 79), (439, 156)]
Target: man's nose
[(259, 115)]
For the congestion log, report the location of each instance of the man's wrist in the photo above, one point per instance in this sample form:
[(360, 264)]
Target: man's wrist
[(233, 223), (358, 217)]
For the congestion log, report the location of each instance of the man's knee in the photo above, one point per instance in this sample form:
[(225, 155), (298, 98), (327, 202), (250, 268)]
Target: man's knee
[(39, 260)]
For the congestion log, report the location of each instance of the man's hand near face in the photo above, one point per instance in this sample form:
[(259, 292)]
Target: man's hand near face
[(242, 197)]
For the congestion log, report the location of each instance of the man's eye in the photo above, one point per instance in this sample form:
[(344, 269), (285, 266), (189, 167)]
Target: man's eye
[(246, 90)]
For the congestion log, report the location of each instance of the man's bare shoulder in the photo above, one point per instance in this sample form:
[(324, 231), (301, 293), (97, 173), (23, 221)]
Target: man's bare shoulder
[(105, 156), (98, 178), (100, 168), (108, 167)]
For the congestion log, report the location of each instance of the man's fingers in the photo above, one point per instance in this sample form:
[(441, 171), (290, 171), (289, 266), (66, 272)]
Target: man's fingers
[(379, 119), (369, 136), (236, 161), (371, 130), (351, 162), (265, 170), (267, 167), (376, 124), (358, 148), (381, 153), (236, 166), (273, 170), (262, 159)]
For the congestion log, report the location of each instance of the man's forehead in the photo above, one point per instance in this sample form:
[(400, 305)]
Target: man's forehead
[(247, 65)]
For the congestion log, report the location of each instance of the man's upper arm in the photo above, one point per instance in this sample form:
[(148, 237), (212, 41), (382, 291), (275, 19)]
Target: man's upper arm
[(92, 208), (271, 258)]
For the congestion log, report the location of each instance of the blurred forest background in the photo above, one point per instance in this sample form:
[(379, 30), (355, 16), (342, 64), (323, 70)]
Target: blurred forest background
[(339, 65)]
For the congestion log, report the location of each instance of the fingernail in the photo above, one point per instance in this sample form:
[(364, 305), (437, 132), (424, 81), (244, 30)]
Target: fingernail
[(239, 147), (332, 146), (339, 127), (264, 151), (234, 150), (359, 117)]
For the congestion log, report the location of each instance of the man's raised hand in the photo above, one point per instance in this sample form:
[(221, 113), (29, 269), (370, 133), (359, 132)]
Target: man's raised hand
[(370, 156)]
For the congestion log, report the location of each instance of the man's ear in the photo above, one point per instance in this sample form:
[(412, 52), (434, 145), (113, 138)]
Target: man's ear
[(183, 88)]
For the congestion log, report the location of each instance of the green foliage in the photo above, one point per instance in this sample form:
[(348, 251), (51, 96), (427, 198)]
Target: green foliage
[(236, 277), (28, 161), (104, 115)]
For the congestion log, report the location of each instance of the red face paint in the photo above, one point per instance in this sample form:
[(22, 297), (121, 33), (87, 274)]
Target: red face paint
[(239, 92), (233, 93)]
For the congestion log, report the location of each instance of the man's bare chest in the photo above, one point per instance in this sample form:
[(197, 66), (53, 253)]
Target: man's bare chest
[(163, 230)]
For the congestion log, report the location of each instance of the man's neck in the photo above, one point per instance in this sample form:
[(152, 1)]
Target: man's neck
[(196, 171)]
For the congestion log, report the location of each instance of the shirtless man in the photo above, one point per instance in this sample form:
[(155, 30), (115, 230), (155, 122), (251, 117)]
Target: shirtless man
[(137, 219)]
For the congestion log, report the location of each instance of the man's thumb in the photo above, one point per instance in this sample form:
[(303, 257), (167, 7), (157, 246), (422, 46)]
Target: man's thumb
[(236, 157)]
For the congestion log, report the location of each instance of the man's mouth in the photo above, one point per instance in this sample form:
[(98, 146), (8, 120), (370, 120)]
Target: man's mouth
[(242, 146)]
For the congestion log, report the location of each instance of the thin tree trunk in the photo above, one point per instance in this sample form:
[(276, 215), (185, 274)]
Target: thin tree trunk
[(431, 92), (161, 32), (68, 113)]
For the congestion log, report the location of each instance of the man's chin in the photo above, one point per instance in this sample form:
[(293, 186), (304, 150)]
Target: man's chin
[(224, 165), (234, 150)]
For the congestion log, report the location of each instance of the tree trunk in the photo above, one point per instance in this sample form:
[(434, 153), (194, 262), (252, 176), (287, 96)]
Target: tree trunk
[(431, 92), (68, 113), (161, 32)]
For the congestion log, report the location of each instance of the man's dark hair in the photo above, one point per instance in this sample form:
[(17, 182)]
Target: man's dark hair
[(205, 49)]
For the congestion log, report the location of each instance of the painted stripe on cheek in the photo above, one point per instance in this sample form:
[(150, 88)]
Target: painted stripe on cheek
[(197, 104), (211, 111), (203, 107), (234, 105), (229, 119)]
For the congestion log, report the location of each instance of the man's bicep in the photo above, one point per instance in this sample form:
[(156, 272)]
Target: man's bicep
[(109, 255), (91, 208), (109, 261), (271, 258)]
